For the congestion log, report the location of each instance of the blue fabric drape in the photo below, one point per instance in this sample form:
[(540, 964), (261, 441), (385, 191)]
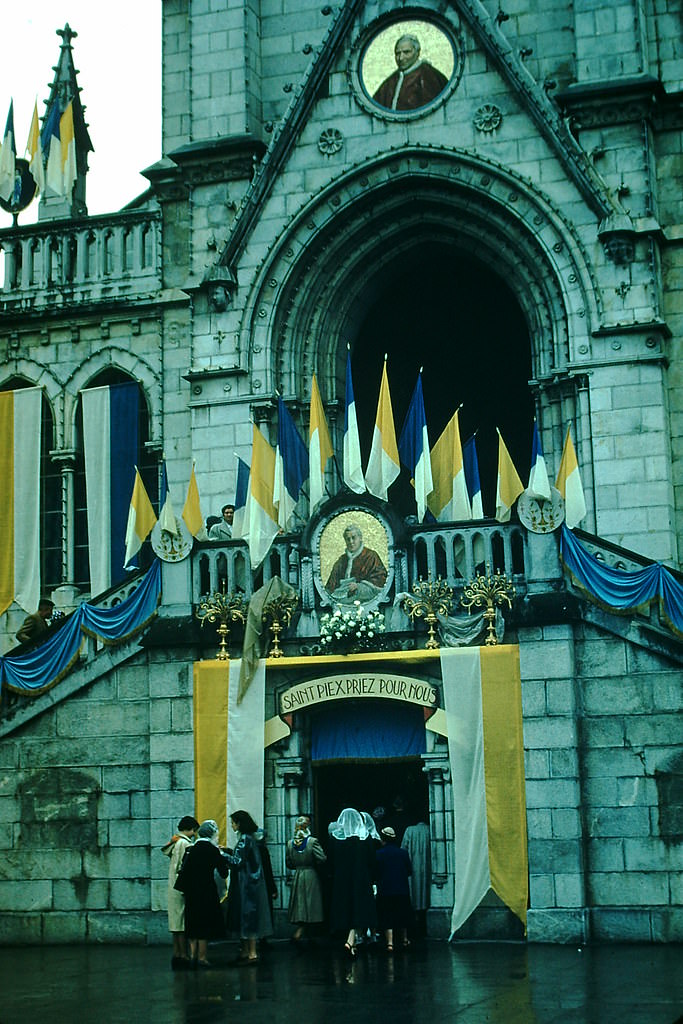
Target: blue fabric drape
[(39, 669), (367, 731), (124, 413), (619, 589)]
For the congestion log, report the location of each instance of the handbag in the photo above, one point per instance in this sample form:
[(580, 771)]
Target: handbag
[(182, 877)]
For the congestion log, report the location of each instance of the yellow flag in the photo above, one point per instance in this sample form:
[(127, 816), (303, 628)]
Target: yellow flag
[(192, 513), (383, 463), (35, 152), (319, 446), (569, 484), (141, 518), (509, 485)]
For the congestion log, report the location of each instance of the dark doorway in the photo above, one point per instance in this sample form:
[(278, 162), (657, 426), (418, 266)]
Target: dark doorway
[(442, 308), (366, 786)]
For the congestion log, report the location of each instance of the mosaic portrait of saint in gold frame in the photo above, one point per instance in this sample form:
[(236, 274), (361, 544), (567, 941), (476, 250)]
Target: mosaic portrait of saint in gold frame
[(407, 65), (354, 557)]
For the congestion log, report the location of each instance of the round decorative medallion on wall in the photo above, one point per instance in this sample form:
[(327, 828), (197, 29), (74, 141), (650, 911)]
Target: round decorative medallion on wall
[(171, 547), (405, 65), (538, 515), (487, 118), (330, 141)]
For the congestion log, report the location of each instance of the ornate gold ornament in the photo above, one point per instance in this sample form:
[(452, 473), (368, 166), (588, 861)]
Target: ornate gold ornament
[(278, 614), (487, 591), (223, 608), (431, 599)]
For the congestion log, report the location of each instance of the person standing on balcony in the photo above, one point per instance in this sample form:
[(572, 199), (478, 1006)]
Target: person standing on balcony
[(222, 530), (34, 627)]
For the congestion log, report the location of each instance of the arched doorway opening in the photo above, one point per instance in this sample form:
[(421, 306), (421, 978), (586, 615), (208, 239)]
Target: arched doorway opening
[(442, 308)]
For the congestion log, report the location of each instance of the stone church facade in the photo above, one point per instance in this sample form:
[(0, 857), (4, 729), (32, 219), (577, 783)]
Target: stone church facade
[(518, 233)]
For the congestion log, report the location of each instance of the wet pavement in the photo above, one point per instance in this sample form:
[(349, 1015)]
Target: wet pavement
[(497, 983)]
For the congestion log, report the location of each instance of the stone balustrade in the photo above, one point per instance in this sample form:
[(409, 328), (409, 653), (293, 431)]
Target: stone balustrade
[(80, 261)]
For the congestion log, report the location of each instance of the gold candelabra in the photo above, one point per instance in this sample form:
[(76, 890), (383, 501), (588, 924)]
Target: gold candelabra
[(487, 591), (429, 599), (224, 608), (278, 614)]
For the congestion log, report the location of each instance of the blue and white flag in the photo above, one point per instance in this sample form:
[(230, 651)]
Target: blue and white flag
[(167, 520), (353, 466), (110, 444), (241, 492), (539, 485), (8, 157), (469, 456), (413, 448), (291, 465)]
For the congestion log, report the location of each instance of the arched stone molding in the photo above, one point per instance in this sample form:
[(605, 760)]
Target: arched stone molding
[(311, 288), (114, 358), (41, 376)]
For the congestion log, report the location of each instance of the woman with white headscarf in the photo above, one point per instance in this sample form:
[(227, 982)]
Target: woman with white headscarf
[(352, 852), (203, 916)]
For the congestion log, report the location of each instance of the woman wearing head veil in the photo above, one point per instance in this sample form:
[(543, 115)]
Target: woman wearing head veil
[(203, 916), (352, 851)]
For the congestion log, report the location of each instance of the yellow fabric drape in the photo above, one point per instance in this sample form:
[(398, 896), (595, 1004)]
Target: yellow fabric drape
[(504, 774), (210, 720)]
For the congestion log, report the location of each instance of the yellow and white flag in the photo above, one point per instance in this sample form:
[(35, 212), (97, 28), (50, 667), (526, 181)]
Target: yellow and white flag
[(260, 516), (68, 148), (569, 485), (449, 501), (35, 152), (319, 446), (20, 426), (383, 464), (141, 519), (483, 705), (192, 513), (509, 486)]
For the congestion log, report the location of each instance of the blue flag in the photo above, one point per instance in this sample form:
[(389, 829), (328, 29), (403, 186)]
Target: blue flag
[(539, 485), (469, 457), (413, 448), (291, 465), (167, 518), (353, 468), (241, 493)]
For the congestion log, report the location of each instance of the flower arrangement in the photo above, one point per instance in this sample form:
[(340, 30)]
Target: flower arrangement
[(349, 630)]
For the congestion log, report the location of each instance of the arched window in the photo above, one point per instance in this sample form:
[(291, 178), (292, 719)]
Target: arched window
[(50, 494), (146, 461)]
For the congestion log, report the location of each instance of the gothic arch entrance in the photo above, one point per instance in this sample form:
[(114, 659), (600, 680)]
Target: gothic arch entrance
[(442, 309), (387, 236)]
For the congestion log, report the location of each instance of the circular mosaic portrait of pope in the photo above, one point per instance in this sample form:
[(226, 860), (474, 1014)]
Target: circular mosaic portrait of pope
[(353, 557), (407, 66)]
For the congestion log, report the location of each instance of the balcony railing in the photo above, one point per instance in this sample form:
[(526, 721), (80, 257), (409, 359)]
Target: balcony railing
[(454, 553), (80, 261)]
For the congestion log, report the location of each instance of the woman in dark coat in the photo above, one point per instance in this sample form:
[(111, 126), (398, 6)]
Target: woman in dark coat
[(255, 920), (353, 857), (203, 916), (393, 889)]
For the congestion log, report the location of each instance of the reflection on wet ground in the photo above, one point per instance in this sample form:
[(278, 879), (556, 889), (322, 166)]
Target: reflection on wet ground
[(496, 983)]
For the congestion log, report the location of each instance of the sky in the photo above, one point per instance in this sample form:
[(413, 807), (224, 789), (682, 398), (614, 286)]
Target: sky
[(117, 53)]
